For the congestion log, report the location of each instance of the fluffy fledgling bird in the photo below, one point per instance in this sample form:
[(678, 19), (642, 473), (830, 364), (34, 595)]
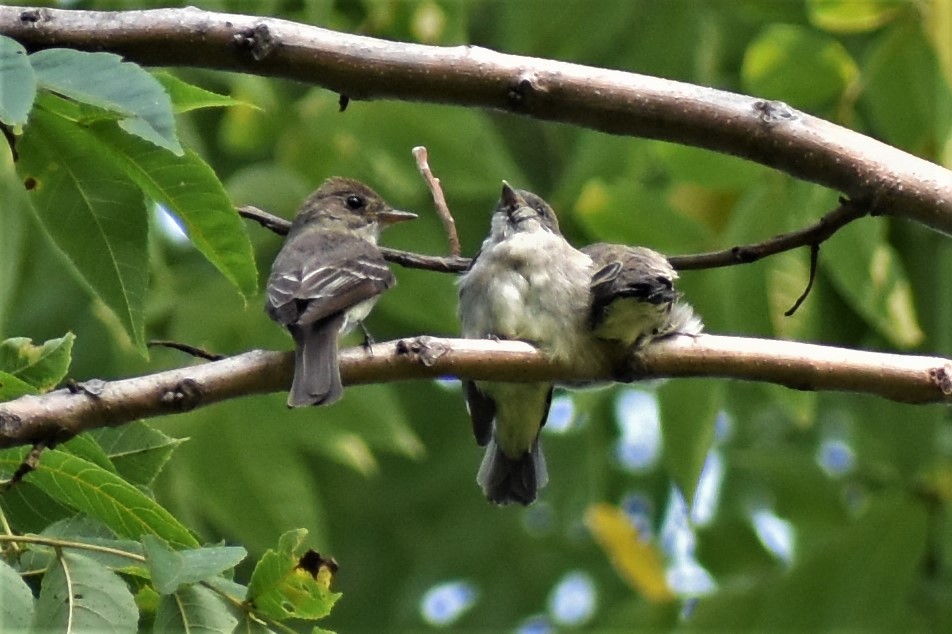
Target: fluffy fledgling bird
[(528, 283), (633, 300), (326, 279)]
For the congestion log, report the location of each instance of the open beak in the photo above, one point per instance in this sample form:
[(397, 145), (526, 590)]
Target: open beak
[(510, 198), (393, 216)]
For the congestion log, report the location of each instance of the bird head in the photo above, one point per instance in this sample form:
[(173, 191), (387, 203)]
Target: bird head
[(526, 211), (346, 204)]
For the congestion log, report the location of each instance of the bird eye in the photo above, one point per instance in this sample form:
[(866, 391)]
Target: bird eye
[(355, 202), (541, 210)]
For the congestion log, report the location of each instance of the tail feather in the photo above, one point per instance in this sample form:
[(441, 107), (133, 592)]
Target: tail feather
[(316, 371), (505, 480)]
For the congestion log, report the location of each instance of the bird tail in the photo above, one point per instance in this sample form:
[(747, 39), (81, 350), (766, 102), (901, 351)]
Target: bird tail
[(505, 480), (316, 371)]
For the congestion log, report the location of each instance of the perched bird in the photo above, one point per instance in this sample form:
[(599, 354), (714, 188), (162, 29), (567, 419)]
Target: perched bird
[(528, 283), (633, 300), (326, 279)]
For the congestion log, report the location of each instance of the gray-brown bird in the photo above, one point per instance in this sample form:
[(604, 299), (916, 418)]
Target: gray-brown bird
[(633, 299), (528, 283), (326, 279)]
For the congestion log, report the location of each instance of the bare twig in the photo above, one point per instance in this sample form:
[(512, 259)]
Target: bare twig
[(439, 201), (816, 233), (814, 260), (187, 349), (267, 220), (61, 414), (404, 258), (769, 132)]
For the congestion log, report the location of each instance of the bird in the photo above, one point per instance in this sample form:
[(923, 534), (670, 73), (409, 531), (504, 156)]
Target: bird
[(526, 283), (326, 279), (633, 299)]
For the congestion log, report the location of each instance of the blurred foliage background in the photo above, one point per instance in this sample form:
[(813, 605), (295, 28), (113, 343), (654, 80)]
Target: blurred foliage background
[(813, 511)]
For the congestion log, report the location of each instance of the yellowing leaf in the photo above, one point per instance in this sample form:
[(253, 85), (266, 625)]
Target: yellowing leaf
[(638, 562)]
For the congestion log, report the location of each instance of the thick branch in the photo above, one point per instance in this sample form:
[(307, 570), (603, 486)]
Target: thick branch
[(63, 413), (886, 179)]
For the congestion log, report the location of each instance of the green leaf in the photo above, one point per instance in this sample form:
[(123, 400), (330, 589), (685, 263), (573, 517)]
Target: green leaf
[(16, 609), (11, 387), (689, 410), (17, 83), (137, 450), (807, 69), (194, 609), (41, 367), (85, 446), (104, 80), (25, 505), (625, 213), (285, 584), (186, 97), (189, 188), (867, 272), (905, 97), (103, 495), (853, 16), (85, 530), (174, 568), (79, 594), (94, 214)]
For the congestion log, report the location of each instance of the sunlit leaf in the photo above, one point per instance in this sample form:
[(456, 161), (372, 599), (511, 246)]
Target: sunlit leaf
[(869, 275), (636, 559), (42, 367), (807, 69), (291, 583), (853, 16)]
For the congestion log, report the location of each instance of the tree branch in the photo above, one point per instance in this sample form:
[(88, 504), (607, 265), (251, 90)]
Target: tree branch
[(888, 180), (404, 258), (813, 236), (58, 415)]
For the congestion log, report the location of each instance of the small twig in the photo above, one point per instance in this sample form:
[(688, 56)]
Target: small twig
[(187, 349), (815, 234), (30, 463), (814, 258), (439, 201), (406, 259), (269, 221)]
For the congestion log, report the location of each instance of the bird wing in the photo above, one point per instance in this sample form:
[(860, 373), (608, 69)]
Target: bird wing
[(322, 274)]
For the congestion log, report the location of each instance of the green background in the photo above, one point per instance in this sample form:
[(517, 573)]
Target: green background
[(384, 481)]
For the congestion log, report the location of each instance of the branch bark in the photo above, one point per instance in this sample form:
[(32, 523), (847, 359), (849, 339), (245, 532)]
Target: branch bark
[(63, 413), (882, 178)]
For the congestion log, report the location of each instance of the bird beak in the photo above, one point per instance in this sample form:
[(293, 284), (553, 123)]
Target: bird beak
[(393, 216), (510, 198)]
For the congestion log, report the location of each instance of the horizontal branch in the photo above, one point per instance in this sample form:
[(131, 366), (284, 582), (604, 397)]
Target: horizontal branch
[(63, 413), (884, 179)]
